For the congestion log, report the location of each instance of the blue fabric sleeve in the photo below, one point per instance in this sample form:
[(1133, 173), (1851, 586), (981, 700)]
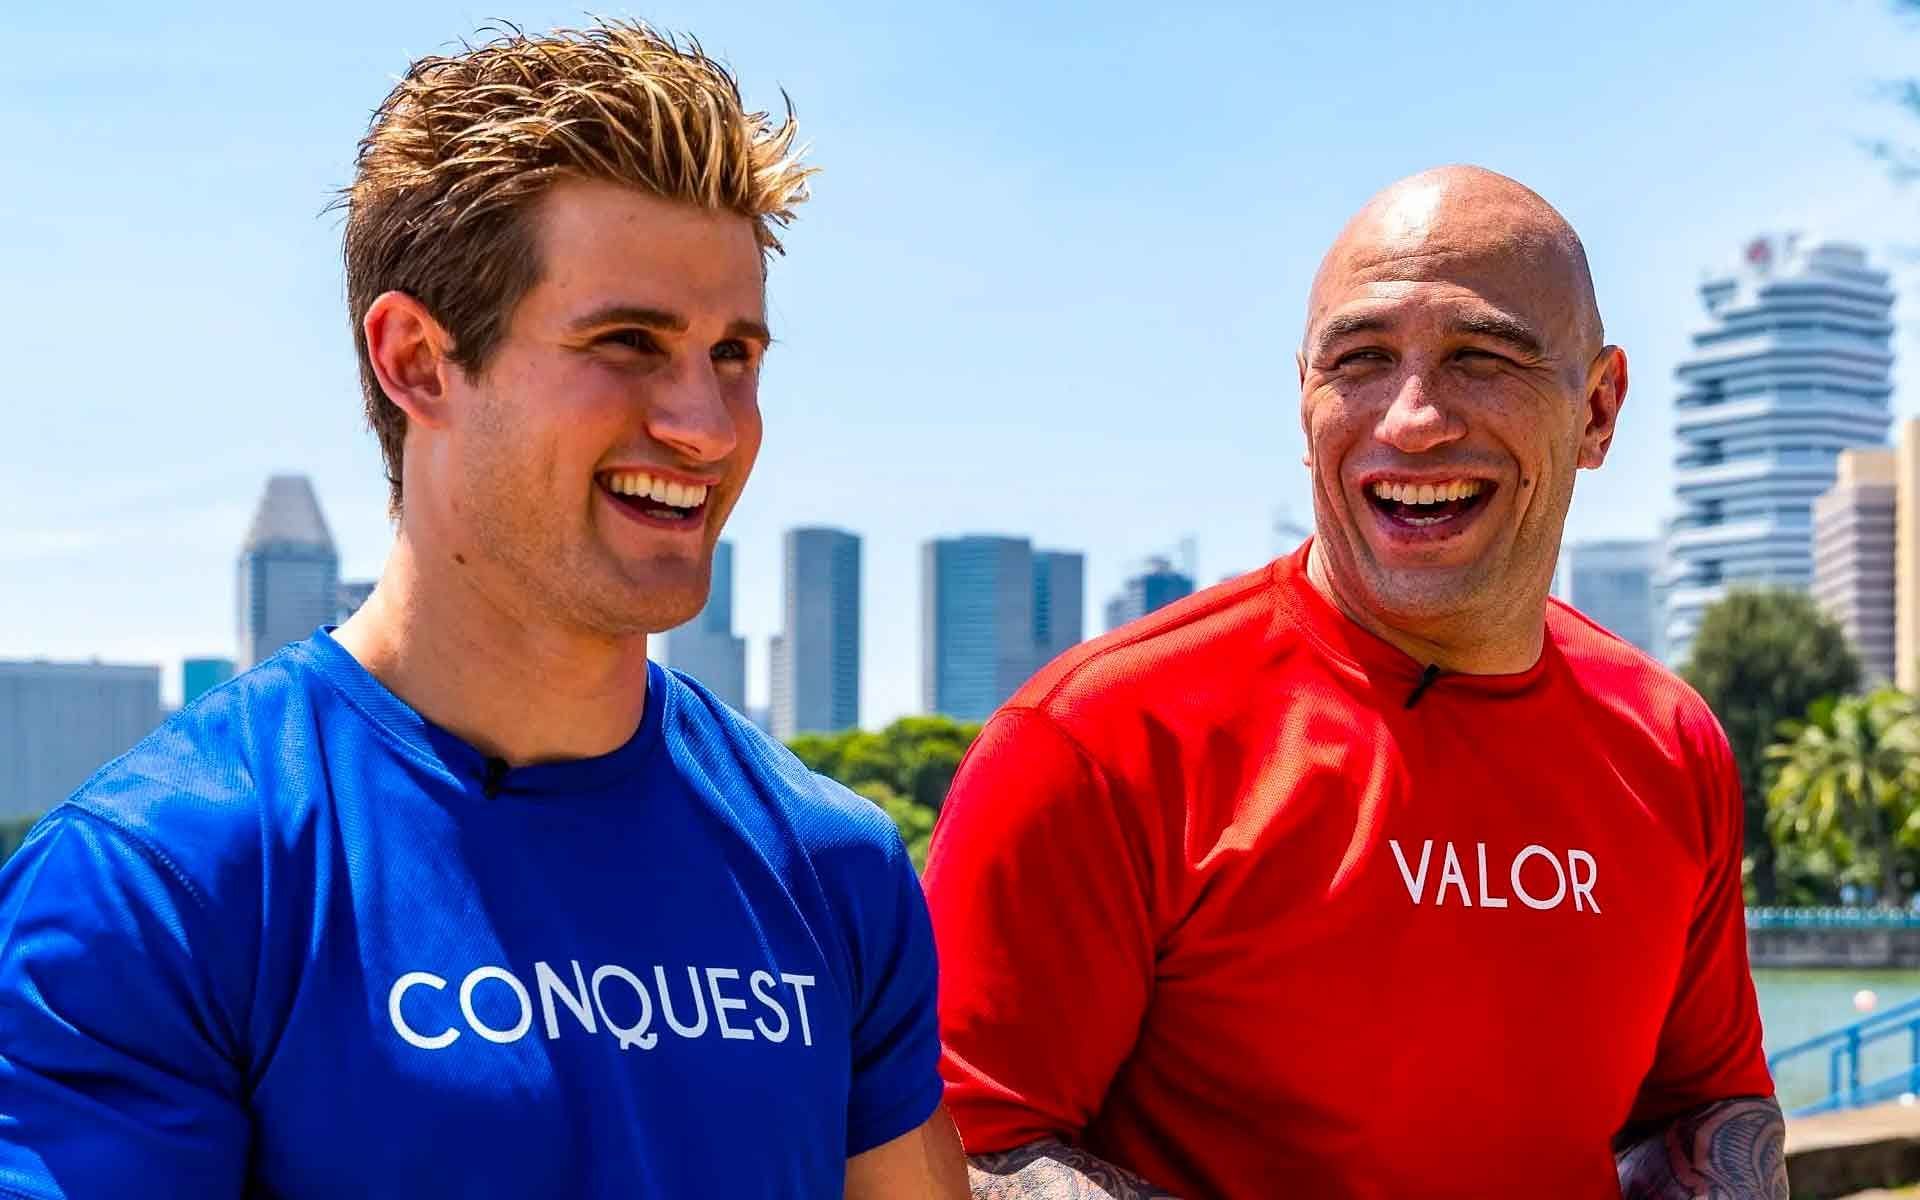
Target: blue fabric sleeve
[(896, 1033), (113, 1077)]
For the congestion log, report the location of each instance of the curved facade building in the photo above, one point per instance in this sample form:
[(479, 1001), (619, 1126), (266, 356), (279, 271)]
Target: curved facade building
[(1793, 366)]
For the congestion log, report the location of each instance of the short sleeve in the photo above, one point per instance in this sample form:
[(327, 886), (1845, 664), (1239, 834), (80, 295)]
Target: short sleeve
[(896, 1032), (112, 1079), (1710, 1044), (1037, 884)]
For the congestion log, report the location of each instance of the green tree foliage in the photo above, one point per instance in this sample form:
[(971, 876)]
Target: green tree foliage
[(1760, 657), (905, 768), (1847, 784), (12, 833), (914, 820)]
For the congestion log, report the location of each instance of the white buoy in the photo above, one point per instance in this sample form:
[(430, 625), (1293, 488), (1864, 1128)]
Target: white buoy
[(1864, 1000)]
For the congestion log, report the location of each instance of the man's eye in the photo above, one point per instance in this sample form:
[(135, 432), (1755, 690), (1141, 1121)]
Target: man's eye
[(732, 351), (1479, 357), (1359, 358), (633, 339)]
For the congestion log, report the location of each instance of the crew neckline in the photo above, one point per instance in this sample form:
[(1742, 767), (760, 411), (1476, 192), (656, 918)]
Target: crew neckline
[(463, 762), (1368, 656)]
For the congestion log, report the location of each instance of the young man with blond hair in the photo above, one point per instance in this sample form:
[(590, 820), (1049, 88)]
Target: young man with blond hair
[(465, 898)]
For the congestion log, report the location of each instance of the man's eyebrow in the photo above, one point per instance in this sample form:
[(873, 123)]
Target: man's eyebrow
[(1502, 328), (632, 314), (752, 331), (1345, 325), (670, 322)]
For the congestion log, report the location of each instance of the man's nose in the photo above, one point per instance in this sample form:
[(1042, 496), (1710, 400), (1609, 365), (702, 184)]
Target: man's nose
[(1418, 419), (687, 412)]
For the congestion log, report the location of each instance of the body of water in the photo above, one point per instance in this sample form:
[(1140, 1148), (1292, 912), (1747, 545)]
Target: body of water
[(1796, 1005)]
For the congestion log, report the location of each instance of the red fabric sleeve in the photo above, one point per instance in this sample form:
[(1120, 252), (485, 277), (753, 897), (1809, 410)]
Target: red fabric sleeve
[(1710, 1047), (1038, 884)]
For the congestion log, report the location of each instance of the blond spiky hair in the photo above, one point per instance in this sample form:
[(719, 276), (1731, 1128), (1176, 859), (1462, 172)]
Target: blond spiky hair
[(465, 143)]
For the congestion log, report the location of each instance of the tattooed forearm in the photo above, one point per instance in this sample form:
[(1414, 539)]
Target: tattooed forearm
[(1054, 1171), (1733, 1150)]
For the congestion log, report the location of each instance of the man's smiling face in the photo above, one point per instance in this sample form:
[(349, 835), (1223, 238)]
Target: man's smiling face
[(595, 458), (1452, 383)]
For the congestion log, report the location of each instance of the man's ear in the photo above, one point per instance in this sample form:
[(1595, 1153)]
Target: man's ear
[(1300, 364), (1606, 393), (410, 353)]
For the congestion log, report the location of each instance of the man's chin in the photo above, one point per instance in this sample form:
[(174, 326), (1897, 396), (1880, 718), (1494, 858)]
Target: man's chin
[(1410, 597), (640, 603)]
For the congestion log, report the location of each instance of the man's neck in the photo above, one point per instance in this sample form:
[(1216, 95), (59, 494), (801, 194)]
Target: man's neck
[(1472, 645), (512, 687)]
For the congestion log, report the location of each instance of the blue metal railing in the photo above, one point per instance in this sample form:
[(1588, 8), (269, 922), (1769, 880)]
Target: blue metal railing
[(1832, 918), (1843, 1046)]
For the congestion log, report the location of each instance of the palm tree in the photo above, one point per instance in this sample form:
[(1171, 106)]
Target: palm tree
[(1851, 771)]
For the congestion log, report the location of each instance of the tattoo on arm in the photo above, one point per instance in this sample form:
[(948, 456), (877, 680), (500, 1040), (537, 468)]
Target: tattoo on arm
[(1733, 1150), (1051, 1170)]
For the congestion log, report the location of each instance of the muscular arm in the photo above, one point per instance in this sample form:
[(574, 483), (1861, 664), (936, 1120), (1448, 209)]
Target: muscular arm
[(922, 1165), (1052, 1170), (1732, 1150)]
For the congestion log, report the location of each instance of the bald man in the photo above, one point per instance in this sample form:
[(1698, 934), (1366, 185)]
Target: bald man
[(1376, 873)]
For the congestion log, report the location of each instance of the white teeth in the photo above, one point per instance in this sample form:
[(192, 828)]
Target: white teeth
[(660, 491), (1427, 493)]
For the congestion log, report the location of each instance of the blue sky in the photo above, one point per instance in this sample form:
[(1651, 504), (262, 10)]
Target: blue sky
[(1050, 283)]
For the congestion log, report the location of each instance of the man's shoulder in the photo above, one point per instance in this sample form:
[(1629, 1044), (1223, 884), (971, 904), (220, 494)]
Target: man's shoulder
[(1200, 649), (773, 796), (1619, 677), (195, 794), (1613, 666)]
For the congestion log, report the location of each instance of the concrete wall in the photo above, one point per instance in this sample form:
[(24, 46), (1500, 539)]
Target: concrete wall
[(1834, 947)]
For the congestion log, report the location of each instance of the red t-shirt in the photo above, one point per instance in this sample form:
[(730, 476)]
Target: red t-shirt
[(1212, 902)]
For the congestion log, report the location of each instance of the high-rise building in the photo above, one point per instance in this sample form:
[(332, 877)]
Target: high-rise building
[(1792, 367), (289, 575), (60, 722), (816, 668), (198, 676), (706, 647), (353, 594), (1156, 587), (1059, 603), (978, 637), (1853, 528), (1906, 558), (1613, 583), (779, 686)]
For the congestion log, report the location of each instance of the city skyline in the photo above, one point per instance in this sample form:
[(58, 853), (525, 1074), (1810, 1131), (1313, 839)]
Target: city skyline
[(1049, 263)]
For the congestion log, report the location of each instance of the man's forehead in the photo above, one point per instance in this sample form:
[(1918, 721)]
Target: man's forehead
[(600, 244), (1397, 299), (1417, 280)]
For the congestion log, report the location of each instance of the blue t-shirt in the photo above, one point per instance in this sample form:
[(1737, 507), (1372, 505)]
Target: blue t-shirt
[(301, 943)]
